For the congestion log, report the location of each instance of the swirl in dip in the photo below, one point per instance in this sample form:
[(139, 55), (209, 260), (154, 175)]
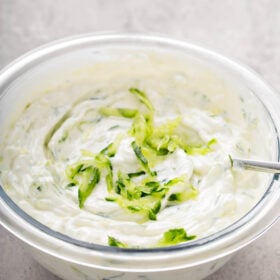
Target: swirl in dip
[(134, 151)]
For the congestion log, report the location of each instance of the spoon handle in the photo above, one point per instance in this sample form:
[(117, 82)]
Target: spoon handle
[(265, 166)]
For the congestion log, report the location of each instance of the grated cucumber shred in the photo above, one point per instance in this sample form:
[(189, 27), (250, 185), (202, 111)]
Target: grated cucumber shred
[(118, 112), (175, 236), (140, 192), (170, 237)]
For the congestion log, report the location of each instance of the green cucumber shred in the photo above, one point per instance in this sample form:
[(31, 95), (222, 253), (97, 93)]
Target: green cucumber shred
[(140, 192), (175, 236), (118, 112), (113, 242), (170, 237)]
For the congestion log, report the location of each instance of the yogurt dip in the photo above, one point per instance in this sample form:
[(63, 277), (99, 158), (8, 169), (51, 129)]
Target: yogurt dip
[(69, 124)]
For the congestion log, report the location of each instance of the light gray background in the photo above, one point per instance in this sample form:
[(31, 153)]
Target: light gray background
[(248, 31)]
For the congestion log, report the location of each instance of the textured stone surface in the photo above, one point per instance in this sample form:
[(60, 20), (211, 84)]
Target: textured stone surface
[(248, 31)]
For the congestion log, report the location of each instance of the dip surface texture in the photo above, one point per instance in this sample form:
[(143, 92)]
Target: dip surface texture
[(55, 126)]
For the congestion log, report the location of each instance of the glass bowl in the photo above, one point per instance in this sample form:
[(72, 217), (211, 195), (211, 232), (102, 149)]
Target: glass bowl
[(72, 259)]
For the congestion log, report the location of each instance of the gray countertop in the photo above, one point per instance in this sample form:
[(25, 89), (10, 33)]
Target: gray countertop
[(248, 31)]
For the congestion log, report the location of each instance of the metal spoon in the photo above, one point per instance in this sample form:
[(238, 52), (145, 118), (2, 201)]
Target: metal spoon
[(265, 166)]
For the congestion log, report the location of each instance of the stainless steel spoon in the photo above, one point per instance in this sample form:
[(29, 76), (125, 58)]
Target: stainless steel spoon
[(265, 166)]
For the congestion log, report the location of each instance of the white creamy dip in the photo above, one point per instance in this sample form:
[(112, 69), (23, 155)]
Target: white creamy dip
[(57, 123)]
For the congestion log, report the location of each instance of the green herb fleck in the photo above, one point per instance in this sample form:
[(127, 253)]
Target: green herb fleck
[(27, 106), (175, 236), (114, 127), (70, 185), (136, 174), (110, 199), (63, 138), (113, 242)]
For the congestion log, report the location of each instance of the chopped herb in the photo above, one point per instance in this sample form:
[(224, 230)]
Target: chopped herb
[(39, 188), (113, 242), (175, 236)]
